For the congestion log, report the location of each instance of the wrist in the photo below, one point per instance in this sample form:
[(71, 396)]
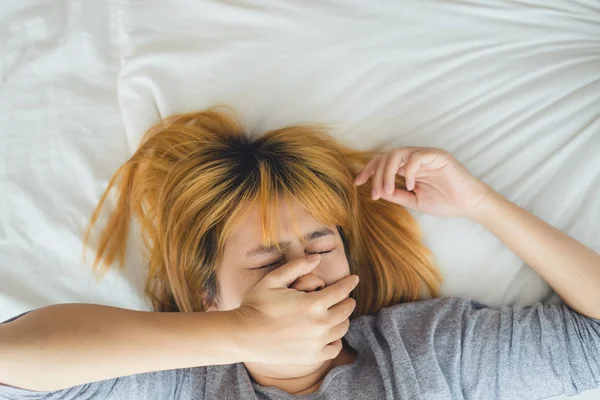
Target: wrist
[(242, 334), (486, 209), (204, 338), (235, 336)]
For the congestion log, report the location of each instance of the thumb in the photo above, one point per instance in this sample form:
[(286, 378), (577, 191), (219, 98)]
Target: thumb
[(402, 197), (288, 273)]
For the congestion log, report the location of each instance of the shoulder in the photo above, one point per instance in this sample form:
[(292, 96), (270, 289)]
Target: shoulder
[(423, 311), (430, 321), (414, 322), (153, 385), (456, 316)]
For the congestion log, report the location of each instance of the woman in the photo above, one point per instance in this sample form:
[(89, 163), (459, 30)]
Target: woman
[(270, 236)]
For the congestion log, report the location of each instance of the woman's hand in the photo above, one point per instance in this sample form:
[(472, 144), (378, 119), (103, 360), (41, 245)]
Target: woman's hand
[(436, 183), (279, 325)]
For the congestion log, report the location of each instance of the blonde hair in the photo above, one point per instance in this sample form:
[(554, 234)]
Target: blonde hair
[(194, 175)]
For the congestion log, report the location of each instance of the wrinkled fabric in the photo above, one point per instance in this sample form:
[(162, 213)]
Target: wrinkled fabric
[(436, 349)]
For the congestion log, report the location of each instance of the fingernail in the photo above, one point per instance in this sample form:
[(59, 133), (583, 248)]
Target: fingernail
[(388, 190), (374, 194), (356, 280), (313, 257)]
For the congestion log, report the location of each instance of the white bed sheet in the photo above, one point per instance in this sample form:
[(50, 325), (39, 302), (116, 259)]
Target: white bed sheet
[(512, 88)]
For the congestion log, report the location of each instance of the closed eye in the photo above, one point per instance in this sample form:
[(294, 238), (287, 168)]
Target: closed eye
[(271, 265), (281, 260), (321, 252)]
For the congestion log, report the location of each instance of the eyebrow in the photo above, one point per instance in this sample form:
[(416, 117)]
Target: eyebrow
[(267, 249)]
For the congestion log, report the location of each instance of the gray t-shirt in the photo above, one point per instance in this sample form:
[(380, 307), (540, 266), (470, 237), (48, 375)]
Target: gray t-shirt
[(435, 349)]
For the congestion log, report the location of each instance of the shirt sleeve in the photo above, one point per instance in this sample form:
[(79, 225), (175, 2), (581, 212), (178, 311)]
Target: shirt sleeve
[(527, 352), (458, 348), (171, 384), (96, 390)]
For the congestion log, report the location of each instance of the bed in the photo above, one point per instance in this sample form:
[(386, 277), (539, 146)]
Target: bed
[(511, 88)]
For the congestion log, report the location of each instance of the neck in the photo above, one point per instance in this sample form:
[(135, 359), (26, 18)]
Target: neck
[(297, 379)]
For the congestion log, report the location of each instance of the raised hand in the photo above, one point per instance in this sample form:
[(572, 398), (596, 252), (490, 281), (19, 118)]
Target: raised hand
[(436, 183)]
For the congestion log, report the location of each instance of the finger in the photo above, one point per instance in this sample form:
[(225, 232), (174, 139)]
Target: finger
[(394, 162), (337, 292), (338, 331), (402, 197), (377, 180), (308, 283), (411, 168), (288, 273), (341, 312), (406, 152), (332, 350), (420, 161), (367, 171)]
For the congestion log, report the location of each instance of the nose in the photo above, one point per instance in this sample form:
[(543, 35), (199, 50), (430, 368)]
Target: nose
[(308, 283)]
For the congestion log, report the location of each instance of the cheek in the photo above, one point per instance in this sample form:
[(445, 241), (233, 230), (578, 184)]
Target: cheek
[(234, 286)]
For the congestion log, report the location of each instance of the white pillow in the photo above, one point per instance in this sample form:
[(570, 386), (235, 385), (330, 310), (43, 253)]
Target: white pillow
[(511, 88)]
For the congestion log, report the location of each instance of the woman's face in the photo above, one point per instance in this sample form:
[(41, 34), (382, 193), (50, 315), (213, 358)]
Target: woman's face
[(245, 261)]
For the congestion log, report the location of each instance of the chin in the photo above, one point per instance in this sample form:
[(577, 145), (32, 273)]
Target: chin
[(283, 371)]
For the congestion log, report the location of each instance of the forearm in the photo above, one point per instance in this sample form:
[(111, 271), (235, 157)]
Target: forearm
[(67, 345), (569, 267)]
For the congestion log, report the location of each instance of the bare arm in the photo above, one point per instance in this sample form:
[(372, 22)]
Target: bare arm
[(568, 266), (66, 345), (61, 346)]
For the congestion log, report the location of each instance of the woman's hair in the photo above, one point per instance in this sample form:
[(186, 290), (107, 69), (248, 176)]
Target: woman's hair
[(193, 177)]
